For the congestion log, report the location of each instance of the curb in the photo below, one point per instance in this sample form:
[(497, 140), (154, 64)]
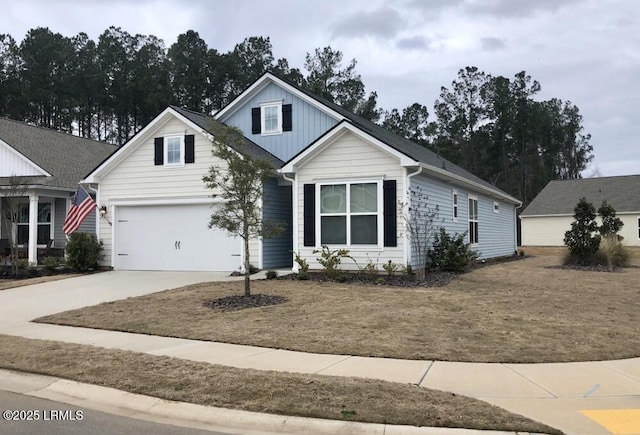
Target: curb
[(193, 416)]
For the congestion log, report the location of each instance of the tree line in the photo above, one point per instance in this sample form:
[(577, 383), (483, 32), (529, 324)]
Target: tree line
[(109, 89)]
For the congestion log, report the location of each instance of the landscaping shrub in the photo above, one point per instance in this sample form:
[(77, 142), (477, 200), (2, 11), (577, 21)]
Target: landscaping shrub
[(331, 260), (303, 267), (612, 253), (84, 250), (50, 263), (582, 239), (611, 224), (450, 253), (272, 274)]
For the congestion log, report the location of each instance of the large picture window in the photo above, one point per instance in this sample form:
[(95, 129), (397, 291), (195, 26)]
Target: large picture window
[(473, 220), (349, 213)]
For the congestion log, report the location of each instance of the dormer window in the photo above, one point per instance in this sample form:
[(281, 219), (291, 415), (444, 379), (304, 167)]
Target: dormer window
[(271, 118)]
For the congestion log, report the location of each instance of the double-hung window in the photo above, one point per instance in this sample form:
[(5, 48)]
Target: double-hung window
[(473, 220), (174, 151), (271, 118), (44, 223), (455, 205), (350, 213)]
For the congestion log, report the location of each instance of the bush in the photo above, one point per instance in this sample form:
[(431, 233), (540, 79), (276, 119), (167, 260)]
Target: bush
[(303, 267), (84, 250), (450, 253), (50, 263), (612, 253), (581, 239), (272, 274), (330, 260)]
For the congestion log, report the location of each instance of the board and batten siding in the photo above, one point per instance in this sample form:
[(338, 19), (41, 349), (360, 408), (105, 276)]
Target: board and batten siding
[(308, 123), (549, 230), (276, 206), (345, 159), (136, 178), (12, 163), (496, 231)]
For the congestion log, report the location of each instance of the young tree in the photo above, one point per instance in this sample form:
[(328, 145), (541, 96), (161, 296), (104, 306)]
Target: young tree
[(419, 222), (611, 224), (239, 181), (13, 194), (582, 239)]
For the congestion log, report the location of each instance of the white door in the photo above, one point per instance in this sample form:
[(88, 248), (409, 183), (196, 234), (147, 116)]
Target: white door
[(172, 237)]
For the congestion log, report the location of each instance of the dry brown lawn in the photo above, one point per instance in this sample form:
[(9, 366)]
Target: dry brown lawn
[(519, 311), (261, 391)]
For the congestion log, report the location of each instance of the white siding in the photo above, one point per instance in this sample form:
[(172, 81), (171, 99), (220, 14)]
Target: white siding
[(136, 178), (13, 163), (347, 158), (549, 230)]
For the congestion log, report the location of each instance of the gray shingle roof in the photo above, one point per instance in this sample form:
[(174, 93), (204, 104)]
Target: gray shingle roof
[(560, 197), (66, 157), (405, 146), (251, 148)]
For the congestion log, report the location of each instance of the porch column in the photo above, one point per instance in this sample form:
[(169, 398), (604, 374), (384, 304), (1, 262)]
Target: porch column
[(33, 228)]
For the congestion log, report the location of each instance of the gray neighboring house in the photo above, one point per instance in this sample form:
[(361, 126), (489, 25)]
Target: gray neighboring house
[(550, 214), (48, 164)]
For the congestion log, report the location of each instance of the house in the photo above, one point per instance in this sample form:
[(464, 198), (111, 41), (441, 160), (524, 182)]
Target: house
[(343, 182), (550, 214), (48, 166)]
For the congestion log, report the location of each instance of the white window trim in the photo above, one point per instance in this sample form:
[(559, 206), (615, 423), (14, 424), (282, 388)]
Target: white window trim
[(166, 151), (496, 207), (639, 228), (263, 106), (477, 219), (51, 223), (380, 213), (455, 210)]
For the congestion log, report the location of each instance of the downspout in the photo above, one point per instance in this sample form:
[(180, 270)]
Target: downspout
[(294, 218), (515, 228), (407, 247)]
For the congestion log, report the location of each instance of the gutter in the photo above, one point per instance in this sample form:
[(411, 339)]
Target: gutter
[(294, 218), (407, 248)]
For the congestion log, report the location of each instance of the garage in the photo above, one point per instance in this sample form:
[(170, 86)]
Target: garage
[(172, 237)]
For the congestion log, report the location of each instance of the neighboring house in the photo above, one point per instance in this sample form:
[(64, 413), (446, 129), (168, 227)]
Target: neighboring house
[(342, 182), (48, 165), (550, 214)]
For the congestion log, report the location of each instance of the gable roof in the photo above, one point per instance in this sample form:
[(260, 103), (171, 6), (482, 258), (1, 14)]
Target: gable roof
[(559, 197), (250, 147), (411, 149), (66, 158)]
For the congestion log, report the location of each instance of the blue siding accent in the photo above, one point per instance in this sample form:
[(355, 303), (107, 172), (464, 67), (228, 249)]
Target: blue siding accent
[(276, 251), (496, 230), (309, 123), (60, 212)]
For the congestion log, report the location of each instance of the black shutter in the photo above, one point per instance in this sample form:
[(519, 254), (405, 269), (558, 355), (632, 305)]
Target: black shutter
[(158, 158), (389, 212), (287, 122), (189, 148), (255, 120), (309, 215)]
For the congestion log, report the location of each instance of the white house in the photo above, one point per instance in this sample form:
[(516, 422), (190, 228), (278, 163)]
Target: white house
[(342, 182), (549, 216)]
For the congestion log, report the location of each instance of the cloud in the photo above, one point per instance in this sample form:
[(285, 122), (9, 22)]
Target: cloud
[(414, 43), (512, 8), (492, 44), (384, 23)]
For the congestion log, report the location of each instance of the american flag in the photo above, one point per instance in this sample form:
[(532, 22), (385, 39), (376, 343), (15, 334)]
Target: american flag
[(81, 206)]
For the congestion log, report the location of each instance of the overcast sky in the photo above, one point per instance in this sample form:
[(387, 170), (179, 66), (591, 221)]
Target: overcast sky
[(585, 51)]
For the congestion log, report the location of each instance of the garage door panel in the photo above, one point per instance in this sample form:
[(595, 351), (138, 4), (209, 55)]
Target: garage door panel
[(172, 238)]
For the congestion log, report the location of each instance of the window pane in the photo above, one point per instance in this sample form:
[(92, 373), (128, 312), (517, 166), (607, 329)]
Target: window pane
[(333, 230), (364, 230), (271, 118), (23, 234), (333, 198), (23, 214), (364, 198), (173, 150), (44, 234), (44, 213)]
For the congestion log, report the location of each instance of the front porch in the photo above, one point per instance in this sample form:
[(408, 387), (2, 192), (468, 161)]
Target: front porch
[(32, 222)]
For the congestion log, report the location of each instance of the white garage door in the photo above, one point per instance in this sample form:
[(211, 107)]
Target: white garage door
[(172, 237)]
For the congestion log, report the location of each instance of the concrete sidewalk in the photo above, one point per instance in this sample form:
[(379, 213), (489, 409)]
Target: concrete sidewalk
[(560, 395)]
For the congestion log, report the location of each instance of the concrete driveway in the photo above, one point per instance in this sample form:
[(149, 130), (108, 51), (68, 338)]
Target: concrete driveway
[(22, 304)]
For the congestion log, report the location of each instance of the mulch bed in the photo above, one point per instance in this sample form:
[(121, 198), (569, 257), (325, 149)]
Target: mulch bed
[(240, 302)]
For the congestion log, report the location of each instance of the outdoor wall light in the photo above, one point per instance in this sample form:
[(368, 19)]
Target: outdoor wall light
[(103, 210)]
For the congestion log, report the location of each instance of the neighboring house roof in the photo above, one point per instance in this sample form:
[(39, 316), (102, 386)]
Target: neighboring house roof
[(250, 148), (66, 158), (560, 197), (411, 149)]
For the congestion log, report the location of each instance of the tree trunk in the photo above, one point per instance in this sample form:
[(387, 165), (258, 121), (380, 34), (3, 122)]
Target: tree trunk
[(247, 271)]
